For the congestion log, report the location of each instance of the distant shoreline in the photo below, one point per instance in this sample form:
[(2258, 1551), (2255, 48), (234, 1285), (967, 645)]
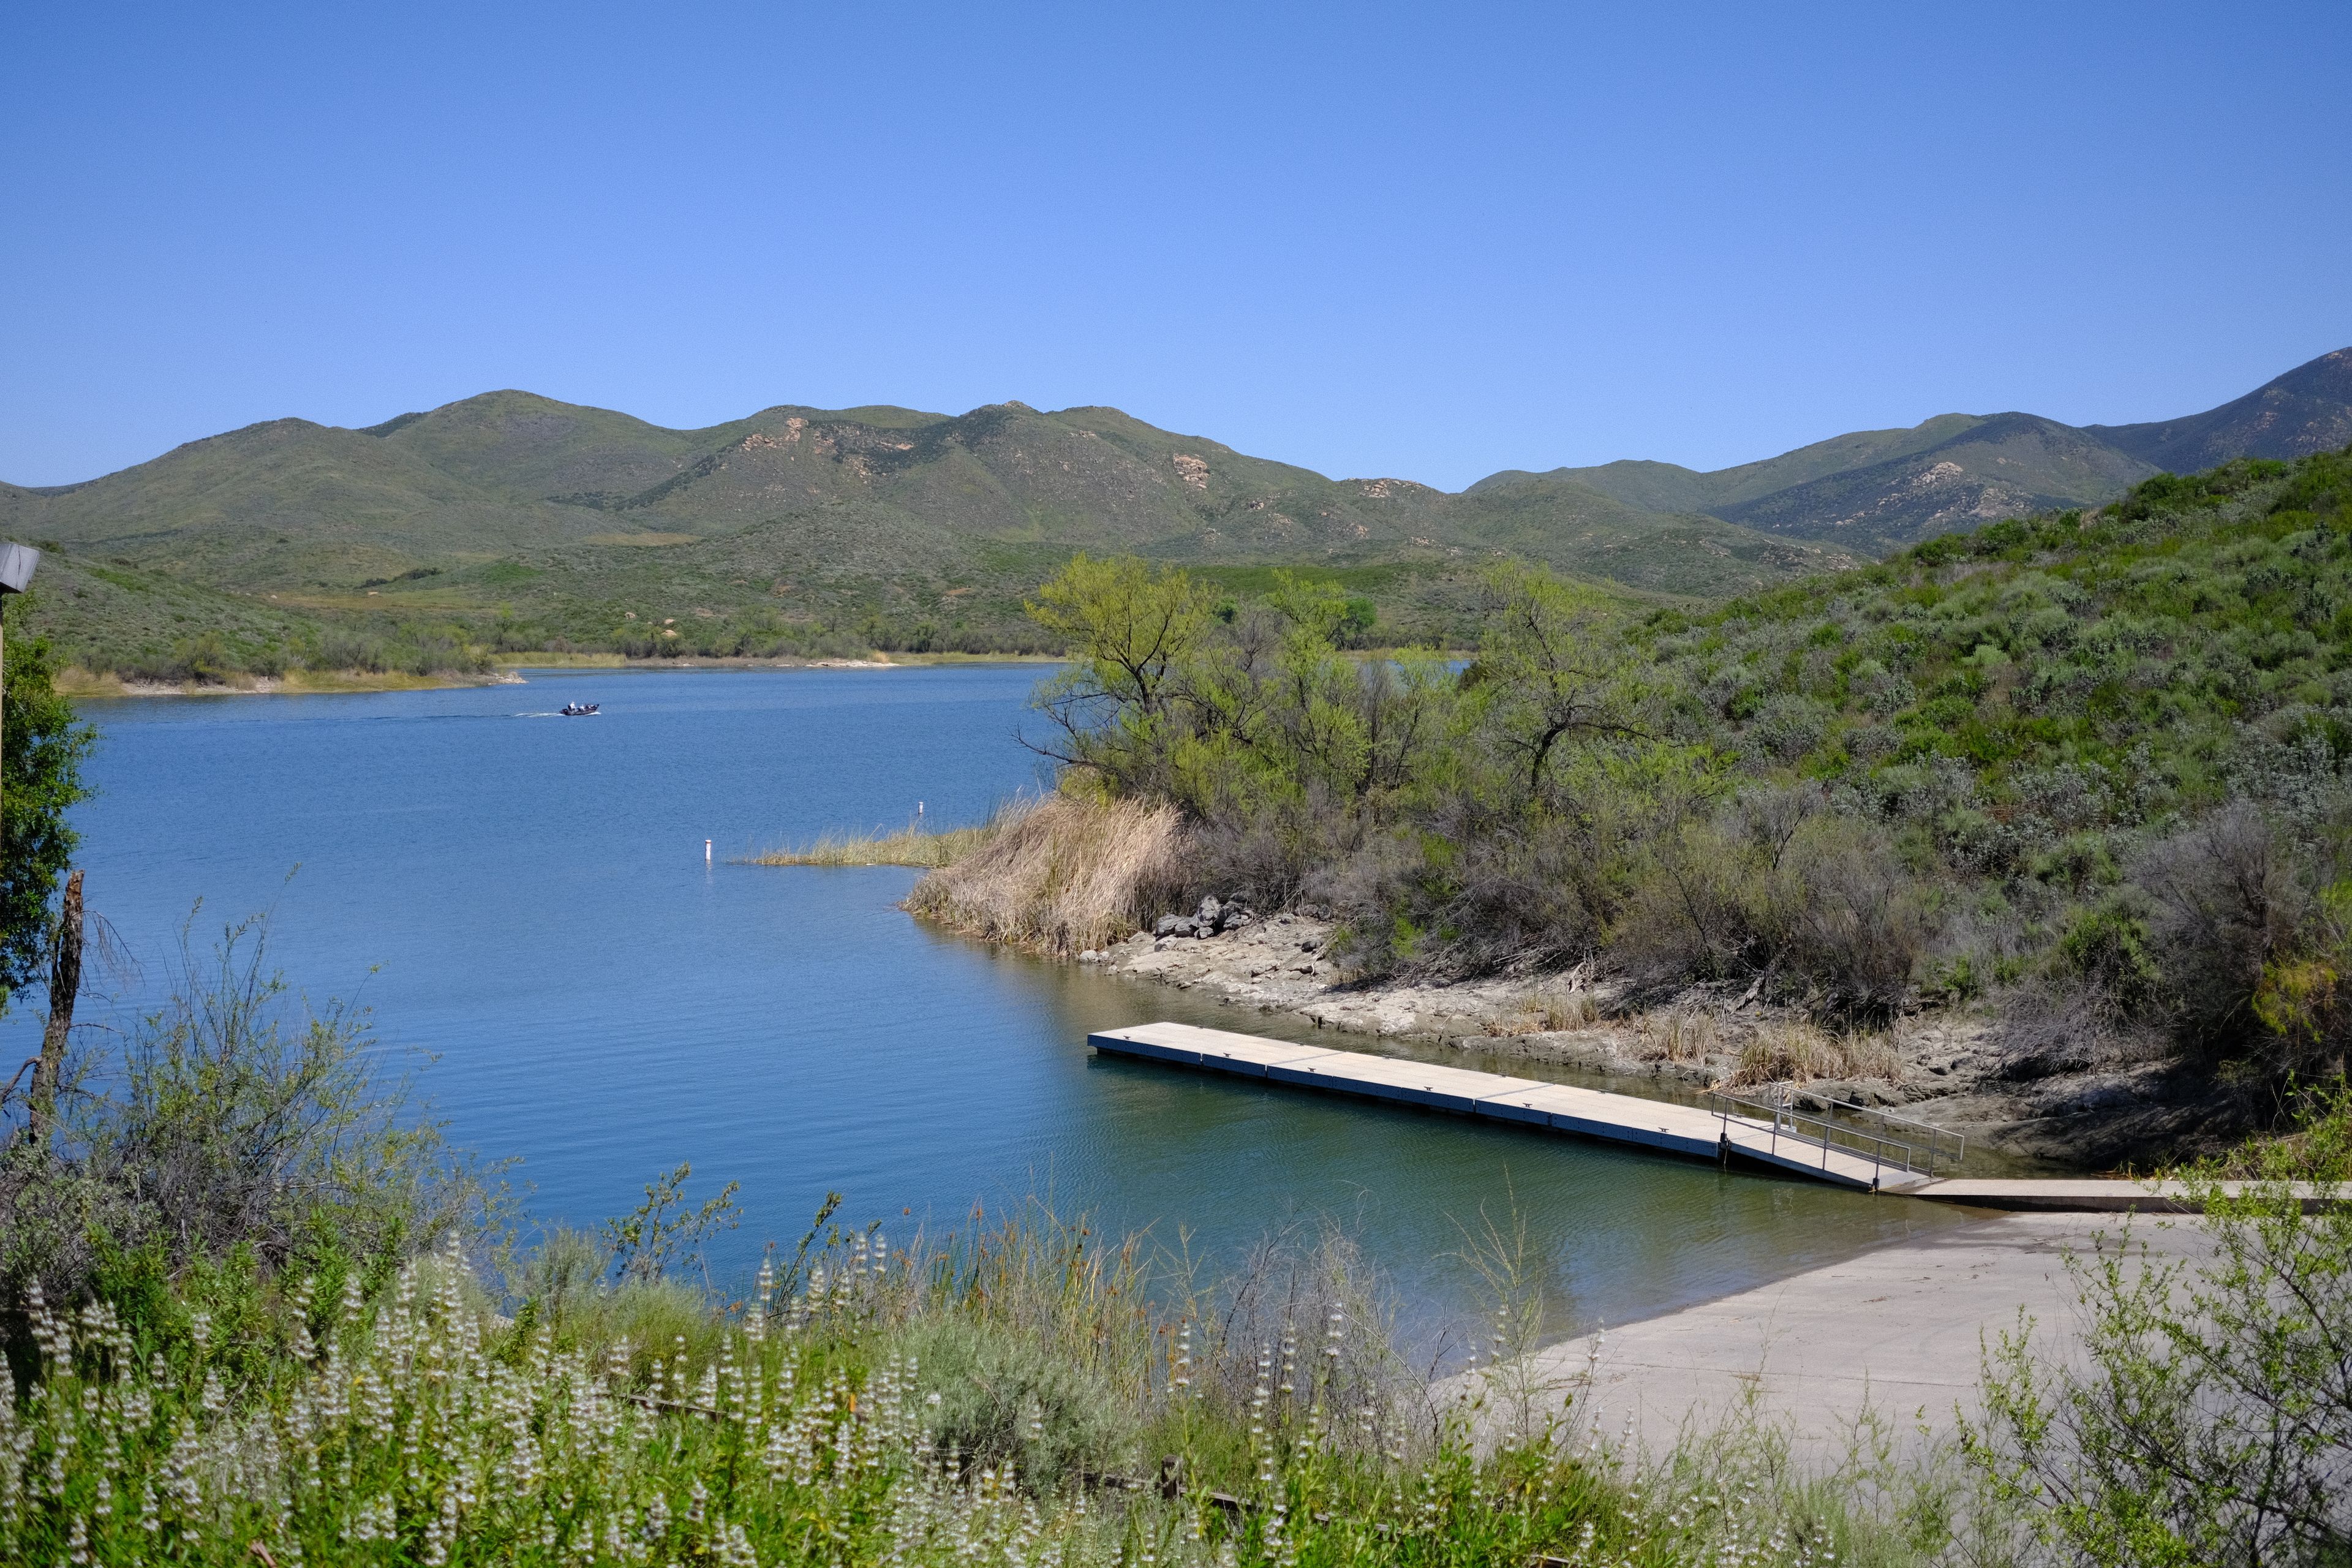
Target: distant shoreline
[(75, 682), (82, 684)]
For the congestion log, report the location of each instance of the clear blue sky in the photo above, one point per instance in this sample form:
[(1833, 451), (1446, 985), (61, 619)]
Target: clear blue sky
[(1430, 241)]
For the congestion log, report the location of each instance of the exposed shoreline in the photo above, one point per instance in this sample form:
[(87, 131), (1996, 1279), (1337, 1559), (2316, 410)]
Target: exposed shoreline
[(1938, 1067)]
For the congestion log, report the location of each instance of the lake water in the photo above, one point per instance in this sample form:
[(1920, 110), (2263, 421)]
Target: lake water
[(526, 897)]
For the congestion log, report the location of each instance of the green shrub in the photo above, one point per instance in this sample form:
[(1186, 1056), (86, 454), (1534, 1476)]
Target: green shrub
[(234, 1129), (2108, 945), (319, 1424), (1004, 1398)]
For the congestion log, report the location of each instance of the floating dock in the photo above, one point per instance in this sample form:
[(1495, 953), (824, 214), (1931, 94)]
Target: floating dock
[(1903, 1157), (1672, 1129)]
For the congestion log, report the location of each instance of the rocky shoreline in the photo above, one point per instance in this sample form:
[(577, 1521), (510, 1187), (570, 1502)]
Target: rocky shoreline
[(1941, 1067)]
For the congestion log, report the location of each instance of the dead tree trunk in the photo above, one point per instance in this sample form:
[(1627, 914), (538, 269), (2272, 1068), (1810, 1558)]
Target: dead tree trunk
[(65, 985)]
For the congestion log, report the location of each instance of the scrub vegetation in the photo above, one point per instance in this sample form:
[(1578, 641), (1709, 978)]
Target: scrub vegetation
[(107, 618), (2083, 774)]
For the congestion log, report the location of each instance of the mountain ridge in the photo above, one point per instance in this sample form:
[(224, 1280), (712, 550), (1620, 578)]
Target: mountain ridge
[(2307, 409), (515, 517), (590, 524)]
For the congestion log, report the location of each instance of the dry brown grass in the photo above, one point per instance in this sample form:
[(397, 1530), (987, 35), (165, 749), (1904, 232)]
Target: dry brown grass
[(1794, 1053), (1549, 1013), (911, 846), (1061, 876), (1682, 1034)]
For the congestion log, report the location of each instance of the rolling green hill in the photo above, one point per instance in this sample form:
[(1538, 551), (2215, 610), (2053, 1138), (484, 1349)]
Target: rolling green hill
[(510, 521), (2006, 466), (516, 520), (1669, 487)]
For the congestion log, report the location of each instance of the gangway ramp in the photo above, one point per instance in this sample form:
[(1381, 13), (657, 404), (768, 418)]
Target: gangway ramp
[(1755, 1131)]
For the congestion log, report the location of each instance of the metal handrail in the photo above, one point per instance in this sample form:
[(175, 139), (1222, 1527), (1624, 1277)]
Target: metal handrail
[(1903, 1154)]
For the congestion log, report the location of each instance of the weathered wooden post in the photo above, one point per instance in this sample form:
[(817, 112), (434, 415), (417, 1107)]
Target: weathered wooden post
[(65, 985)]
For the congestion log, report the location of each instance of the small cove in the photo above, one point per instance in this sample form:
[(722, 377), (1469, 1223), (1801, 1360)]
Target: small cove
[(525, 897)]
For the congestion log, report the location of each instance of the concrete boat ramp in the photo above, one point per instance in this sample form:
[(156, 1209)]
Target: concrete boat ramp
[(1887, 1158)]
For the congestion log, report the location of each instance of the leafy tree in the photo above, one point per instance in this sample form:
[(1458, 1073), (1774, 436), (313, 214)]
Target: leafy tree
[(1128, 630), (40, 781), (1127, 624), (1550, 667)]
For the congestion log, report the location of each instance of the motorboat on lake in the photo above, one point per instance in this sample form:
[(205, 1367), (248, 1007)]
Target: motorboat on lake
[(578, 710)]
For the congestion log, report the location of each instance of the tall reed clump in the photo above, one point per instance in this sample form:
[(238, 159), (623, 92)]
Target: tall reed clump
[(1795, 1052), (1549, 1011), (1678, 1035), (1065, 875)]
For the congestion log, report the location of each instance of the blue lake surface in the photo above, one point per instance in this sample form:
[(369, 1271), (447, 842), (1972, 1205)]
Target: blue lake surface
[(526, 897)]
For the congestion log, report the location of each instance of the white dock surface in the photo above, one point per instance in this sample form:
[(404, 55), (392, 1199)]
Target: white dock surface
[(1586, 1112)]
